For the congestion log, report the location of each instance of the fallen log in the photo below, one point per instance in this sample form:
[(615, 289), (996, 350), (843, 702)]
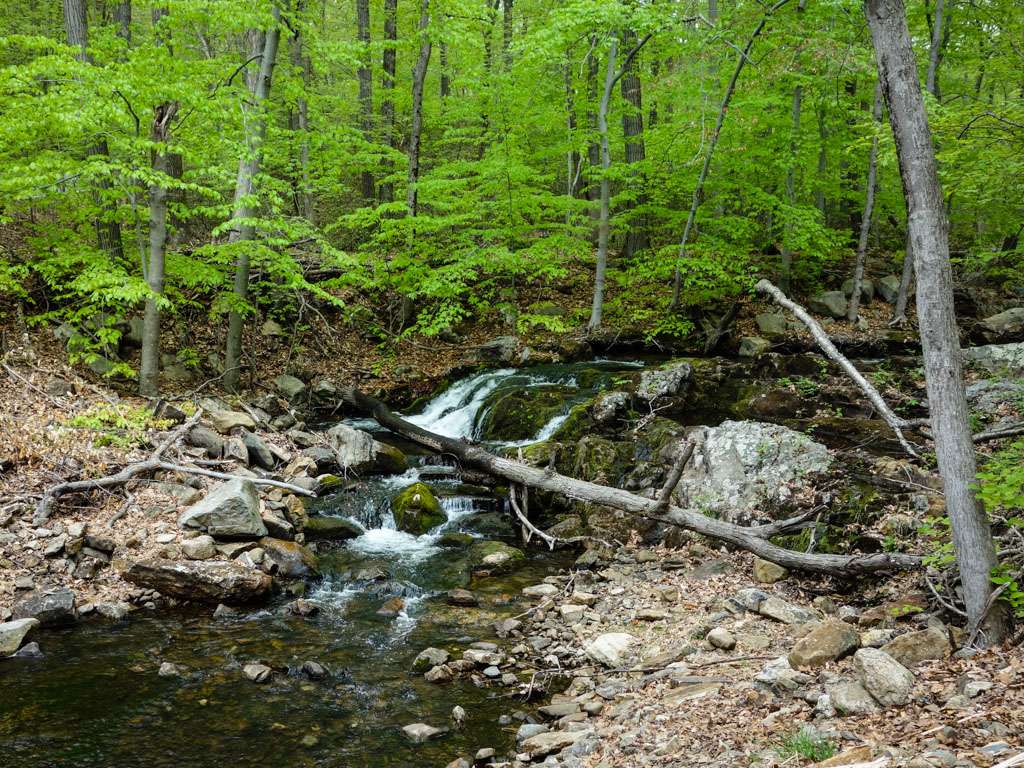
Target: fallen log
[(755, 539)]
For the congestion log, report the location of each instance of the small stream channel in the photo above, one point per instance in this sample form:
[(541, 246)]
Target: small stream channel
[(96, 699)]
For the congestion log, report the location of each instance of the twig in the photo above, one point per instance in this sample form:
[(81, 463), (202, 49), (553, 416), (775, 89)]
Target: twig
[(944, 603)]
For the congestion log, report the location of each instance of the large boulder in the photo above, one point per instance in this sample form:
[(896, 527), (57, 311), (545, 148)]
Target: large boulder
[(50, 608), (13, 633), (826, 642), (416, 510), (520, 413), (1005, 326), (740, 466), (914, 647), (888, 288), (829, 304), (669, 380), (292, 560), (358, 451), (231, 510), (867, 289), (498, 350), (772, 324), (225, 421), (998, 358), (205, 581), (888, 681), (611, 649), (290, 387)]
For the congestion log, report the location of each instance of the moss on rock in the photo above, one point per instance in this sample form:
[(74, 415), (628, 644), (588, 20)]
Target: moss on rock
[(519, 414), (495, 556), (417, 510)]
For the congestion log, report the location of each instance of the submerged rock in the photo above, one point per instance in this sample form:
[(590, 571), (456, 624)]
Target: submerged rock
[(417, 510), (13, 633), (231, 510), (207, 581), (420, 732), (359, 452), (495, 556), (335, 528)]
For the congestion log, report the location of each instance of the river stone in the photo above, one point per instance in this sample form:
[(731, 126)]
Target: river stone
[(314, 670), (1005, 326), (495, 556), (293, 560), (720, 637), (206, 581), (754, 346), (417, 510), (462, 597), (199, 548), (867, 290), (335, 528), (998, 358), (888, 681), (501, 349), (225, 421), (429, 657), (257, 673), (888, 288), (828, 303), (851, 698), (291, 387), (50, 608), (258, 452), (421, 732), (204, 437), (540, 590), (231, 510), (772, 324), (827, 642), (440, 674), (521, 413), (767, 572), (529, 730), (544, 744), (608, 407), (740, 467), (912, 648), (669, 380), (610, 649), (13, 633), (358, 451)]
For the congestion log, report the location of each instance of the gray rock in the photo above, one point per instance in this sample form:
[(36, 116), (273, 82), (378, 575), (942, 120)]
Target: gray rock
[(314, 670), (359, 452), (225, 421), (912, 648), (828, 303), (741, 466), (28, 651), (754, 346), (498, 350), (888, 288), (290, 387), (167, 669), (257, 673), (230, 510), (208, 581), (429, 657), (529, 730), (998, 358), (610, 649), (50, 609), (1005, 326), (609, 407), (114, 611), (827, 642), (258, 453), (289, 559), (421, 732), (780, 677), (544, 744), (203, 437), (888, 681), (199, 548), (850, 698), (778, 609), (669, 380), (719, 637), (867, 290), (13, 633), (772, 324)]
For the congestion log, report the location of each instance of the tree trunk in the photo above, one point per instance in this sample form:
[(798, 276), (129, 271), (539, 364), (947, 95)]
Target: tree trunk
[(935, 50), (365, 75), (446, 82), (243, 229), (149, 371), (594, 147), (954, 449), (301, 62), (123, 20), (108, 230), (603, 223), (506, 34), (419, 76), (869, 208), (572, 157), (899, 314), (387, 102), (794, 143), (632, 131), (698, 190), (819, 194)]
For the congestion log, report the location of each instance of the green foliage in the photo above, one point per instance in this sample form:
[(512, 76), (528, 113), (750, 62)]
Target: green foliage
[(1001, 481), (808, 744), (121, 427)]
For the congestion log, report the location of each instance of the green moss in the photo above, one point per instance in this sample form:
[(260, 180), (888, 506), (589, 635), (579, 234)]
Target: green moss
[(337, 528), (495, 556), (519, 414), (417, 510), (599, 460)]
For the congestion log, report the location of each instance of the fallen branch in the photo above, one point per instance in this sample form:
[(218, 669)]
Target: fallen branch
[(674, 476), (995, 434), (752, 539), (895, 422), (296, 489)]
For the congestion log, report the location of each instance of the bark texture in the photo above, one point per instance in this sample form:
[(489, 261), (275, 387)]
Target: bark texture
[(869, 210), (633, 134), (387, 101), (419, 76), (954, 449)]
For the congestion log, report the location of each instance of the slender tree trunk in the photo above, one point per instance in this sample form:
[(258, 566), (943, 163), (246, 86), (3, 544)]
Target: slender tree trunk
[(869, 208), (419, 76), (594, 147), (300, 122), (387, 102), (698, 190), (603, 223), (365, 75), (108, 230), (954, 448), (794, 143), (899, 314), (243, 229), (446, 82), (123, 20), (506, 34), (935, 50), (149, 371), (633, 133), (819, 193), (572, 157)]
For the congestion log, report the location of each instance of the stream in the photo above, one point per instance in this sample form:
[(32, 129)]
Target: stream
[(96, 699)]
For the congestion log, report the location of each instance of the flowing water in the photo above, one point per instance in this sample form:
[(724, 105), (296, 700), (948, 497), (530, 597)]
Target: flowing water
[(96, 699)]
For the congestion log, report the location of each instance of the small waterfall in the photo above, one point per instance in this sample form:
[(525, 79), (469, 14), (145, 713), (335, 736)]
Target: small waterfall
[(453, 412)]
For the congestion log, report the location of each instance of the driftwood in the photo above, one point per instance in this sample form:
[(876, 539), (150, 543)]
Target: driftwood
[(755, 539), (895, 423), (155, 461)]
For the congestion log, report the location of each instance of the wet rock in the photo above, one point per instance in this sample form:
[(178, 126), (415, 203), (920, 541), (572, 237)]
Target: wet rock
[(277, 526), (1005, 326), (521, 413), (828, 303), (208, 581), (167, 669), (359, 452), (495, 556), (13, 633), (225, 421), (292, 560), (610, 649), (850, 698), (669, 380), (719, 637), (392, 607), (333, 528), (290, 387), (462, 597), (501, 349), (114, 611), (767, 572), (912, 648), (303, 607), (827, 642), (609, 407), (458, 716), (230, 510), (417, 510), (199, 548), (439, 675), (742, 466), (888, 681), (257, 673), (50, 608), (421, 732), (314, 670), (29, 651), (754, 346)]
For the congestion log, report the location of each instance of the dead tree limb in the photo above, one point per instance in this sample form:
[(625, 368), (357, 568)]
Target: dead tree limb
[(895, 422), (755, 539), (674, 476)]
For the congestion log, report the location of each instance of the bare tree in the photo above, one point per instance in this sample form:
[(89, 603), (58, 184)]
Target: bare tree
[(954, 448), (869, 209), (365, 75), (387, 101), (248, 167), (611, 77), (506, 34), (419, 76)]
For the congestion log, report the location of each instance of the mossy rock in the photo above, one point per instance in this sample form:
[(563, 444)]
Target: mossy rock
[(577, 424), (519, 414), (495, 556), (455, 540), (334, 528), (599, 460), (417, 510), (652, 440)]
